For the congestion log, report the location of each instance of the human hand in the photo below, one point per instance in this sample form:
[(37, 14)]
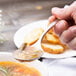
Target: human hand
[(66, 26)]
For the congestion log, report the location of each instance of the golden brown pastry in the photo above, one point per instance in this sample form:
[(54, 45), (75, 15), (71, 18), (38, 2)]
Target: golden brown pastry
[(51, 38), (33, 36), (52, 44), (52, 48)]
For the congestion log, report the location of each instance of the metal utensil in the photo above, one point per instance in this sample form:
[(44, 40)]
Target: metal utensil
[(28, 53)]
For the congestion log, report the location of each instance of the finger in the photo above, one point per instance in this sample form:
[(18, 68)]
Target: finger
[(61, 13), (72, 44), (64, 13), (52, 18), (73, 4), (73, 7), (68, 35), (74, 16), (60, 27)]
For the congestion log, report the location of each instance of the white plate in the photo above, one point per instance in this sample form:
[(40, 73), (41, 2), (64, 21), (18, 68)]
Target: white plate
[(5, 56), (20, 34)]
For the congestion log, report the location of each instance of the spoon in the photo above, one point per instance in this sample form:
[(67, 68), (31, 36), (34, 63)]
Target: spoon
[(32, 52)]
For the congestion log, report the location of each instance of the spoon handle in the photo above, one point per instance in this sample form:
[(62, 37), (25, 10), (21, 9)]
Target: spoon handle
[(49, 27), (23, 46)]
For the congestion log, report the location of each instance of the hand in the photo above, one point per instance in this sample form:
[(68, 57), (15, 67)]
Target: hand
[(66, 27)]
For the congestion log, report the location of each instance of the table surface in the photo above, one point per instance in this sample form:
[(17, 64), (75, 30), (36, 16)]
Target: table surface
[(18, 13)]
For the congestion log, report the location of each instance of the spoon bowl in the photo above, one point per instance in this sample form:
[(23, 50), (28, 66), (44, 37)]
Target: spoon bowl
[(27, 53)]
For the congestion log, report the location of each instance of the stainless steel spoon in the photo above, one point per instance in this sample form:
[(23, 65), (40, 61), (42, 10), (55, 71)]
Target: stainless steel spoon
[(32, 52)]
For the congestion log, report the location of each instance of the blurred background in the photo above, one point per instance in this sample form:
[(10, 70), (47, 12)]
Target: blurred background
[(17, 13)]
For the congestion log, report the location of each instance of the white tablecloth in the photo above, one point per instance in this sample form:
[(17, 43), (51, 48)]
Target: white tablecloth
[(61, 67)]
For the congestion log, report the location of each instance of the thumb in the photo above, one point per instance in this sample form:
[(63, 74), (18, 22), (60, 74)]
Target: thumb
[(64, 13)]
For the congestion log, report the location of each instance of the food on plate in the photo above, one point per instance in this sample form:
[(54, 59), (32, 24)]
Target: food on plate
[(17, 69), (33, 36), (52, 44), (52, 48), (51, 38)]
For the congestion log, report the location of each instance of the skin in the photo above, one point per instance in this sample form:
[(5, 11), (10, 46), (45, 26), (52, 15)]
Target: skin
[(66, 26)]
